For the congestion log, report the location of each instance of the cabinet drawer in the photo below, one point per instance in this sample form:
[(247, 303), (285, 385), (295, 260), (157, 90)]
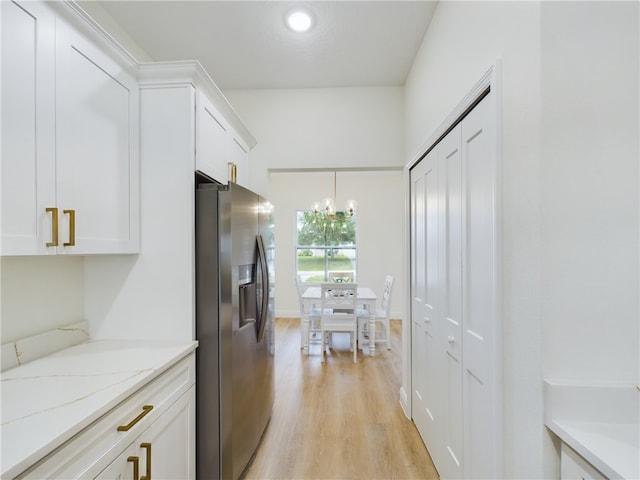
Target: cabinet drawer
[(574, 467), (90, 451)]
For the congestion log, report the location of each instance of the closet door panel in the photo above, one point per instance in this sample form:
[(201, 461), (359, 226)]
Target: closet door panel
[(480, 321), (425, 357), (434, 363), (451, 291), (417, 299)]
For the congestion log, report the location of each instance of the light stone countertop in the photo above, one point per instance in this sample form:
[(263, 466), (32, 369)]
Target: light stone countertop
[(611, 448), (47, 401), (600, 422)]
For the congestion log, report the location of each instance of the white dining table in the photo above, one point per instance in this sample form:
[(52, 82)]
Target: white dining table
[(366, 297)]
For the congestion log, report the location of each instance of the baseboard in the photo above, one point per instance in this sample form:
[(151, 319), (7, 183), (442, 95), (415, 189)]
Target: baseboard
[(404, 403)]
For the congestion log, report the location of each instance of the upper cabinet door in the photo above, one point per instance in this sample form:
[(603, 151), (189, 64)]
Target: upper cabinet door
[(28, 128), (96, 148), (219, 152), (211, 150)]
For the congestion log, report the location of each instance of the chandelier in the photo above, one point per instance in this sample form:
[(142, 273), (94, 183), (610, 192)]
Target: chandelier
[(328, 204)]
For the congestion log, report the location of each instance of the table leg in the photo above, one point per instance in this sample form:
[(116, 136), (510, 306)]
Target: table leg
[(372, 332)]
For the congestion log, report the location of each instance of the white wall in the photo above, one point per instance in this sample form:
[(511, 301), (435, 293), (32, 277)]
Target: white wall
[(352, 128), (321, 128), (120, 288), (590, 203), (463, 41), (40, 294), (569, 190), (106, 21)]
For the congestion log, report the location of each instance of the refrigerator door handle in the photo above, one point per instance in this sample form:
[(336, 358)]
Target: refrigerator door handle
[(264, 298)]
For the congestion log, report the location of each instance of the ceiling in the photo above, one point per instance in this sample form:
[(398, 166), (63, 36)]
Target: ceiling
[(245, 44)]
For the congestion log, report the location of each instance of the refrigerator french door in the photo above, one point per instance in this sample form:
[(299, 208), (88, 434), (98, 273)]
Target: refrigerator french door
[(234, 326)]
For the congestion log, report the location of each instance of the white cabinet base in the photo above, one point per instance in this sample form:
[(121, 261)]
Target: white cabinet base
[(574, 467)]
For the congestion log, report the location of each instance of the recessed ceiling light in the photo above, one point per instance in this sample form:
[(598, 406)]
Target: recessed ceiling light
[(299, 20)]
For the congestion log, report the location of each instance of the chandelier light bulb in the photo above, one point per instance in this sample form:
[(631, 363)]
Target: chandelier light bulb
[(351, 206), (316, 207)]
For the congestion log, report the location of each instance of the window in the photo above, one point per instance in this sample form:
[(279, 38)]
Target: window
[(326, 248)]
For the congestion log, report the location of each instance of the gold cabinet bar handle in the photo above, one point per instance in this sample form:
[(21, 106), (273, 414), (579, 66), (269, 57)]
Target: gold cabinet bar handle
[(145, 409), (233, 172), (136, 468), (54, 227), (72, 228), (147, 447)]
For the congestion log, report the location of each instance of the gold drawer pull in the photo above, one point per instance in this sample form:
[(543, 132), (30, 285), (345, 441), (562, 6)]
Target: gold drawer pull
[(54, 227), (135, 461), (147, 447), (145, 409), (72, 228)]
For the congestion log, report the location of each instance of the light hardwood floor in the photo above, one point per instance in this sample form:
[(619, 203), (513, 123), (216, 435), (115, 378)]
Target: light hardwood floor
[(338, 420)]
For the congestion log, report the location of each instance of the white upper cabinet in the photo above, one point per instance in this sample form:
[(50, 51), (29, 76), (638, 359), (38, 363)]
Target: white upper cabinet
[(220, 152), (96, 151), (211, 149), (69, 151), (28, 127)]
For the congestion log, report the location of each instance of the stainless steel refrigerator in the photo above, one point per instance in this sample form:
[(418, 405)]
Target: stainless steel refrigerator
[(234, 326)]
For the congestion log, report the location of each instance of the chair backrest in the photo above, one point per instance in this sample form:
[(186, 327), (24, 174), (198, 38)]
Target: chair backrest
[(301, 288), (339, 297), (341, 277), (385, 304)]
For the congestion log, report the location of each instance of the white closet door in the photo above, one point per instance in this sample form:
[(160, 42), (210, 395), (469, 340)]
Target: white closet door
[(456, 355), (481, 349), (451, 292), (427, 354)]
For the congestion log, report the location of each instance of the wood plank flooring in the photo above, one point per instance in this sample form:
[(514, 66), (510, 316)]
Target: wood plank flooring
[(338, 420)]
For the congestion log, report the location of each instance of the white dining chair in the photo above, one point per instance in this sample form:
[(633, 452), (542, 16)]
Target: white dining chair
[(382, 316), (341, 299)]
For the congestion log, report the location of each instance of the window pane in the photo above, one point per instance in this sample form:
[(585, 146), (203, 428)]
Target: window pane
[(311, 264), (326, 248)]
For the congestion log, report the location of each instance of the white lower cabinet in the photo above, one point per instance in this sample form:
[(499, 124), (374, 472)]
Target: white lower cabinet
[(574, 467), (149, 435), (125, 467), (164, 451)]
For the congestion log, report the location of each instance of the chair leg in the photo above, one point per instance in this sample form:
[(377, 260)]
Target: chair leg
[(306, 327), (355, 347), (387, 330), (322, 345)]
